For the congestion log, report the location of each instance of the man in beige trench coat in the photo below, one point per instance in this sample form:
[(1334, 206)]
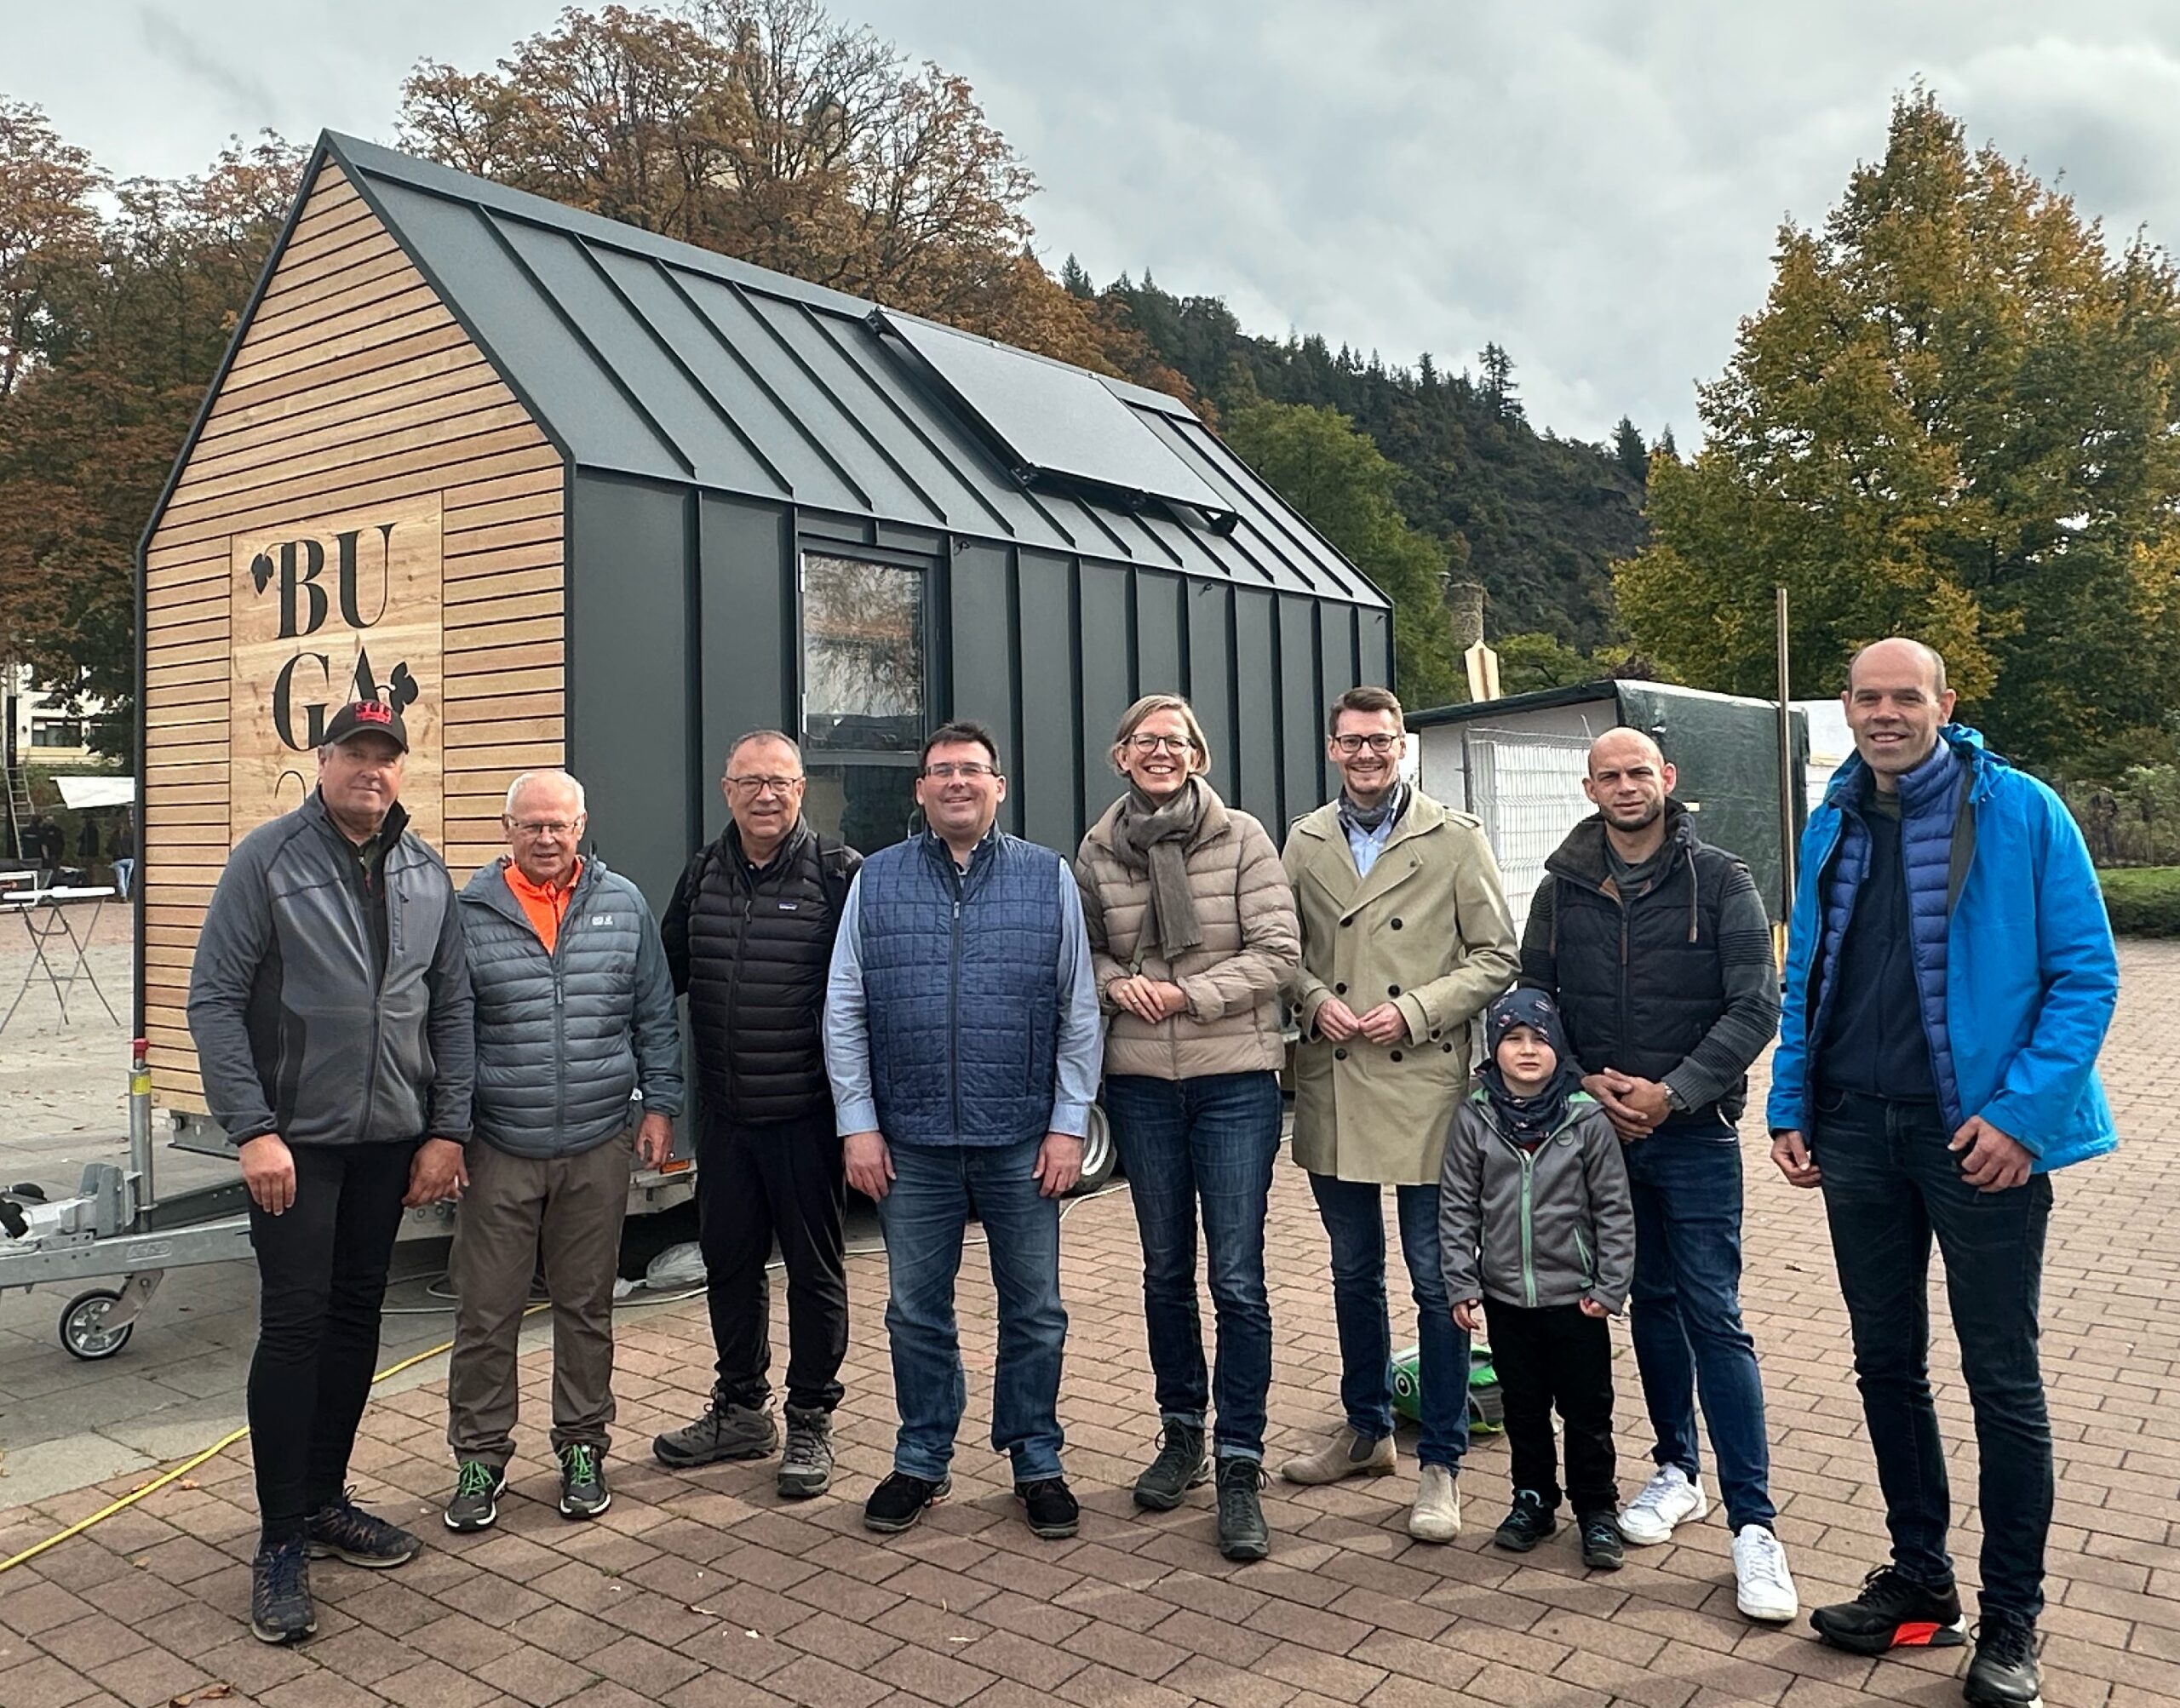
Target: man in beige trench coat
[(1406, 939)]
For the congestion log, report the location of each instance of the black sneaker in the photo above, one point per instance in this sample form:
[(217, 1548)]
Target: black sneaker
[(1603, 1549), (1243, 1534), (726, 1431), (1892, 1612), (1052, 1510), (2003, 1672), (899, 1501), (475, 1505), (1527, 1523), (1181, 1466), (806, 1466), (583, 1493), (344, 1531), (280, 1609)]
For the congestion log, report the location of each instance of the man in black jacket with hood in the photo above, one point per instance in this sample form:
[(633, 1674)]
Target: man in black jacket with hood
[(1659, 951), (749, 938)]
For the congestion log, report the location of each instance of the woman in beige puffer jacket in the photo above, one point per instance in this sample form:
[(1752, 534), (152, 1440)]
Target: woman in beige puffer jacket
[(1192, 929)]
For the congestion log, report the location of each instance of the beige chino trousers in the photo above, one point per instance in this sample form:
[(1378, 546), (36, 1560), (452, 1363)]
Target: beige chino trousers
[(515, 1209)]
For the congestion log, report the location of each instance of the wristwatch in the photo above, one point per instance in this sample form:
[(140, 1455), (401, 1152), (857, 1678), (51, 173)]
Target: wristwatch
[(1674, 1100)]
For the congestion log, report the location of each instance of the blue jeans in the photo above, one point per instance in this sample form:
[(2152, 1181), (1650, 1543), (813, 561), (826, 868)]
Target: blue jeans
[(1685, 1314), (935, 1188), (1354, 1217), (1212, 1142), (1889, 1184)]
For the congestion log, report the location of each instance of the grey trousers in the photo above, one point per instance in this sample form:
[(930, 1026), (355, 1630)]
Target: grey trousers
[(515, 1209)]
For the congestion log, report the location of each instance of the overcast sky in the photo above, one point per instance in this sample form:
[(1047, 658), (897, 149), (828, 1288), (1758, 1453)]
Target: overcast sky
[(1596, 185)]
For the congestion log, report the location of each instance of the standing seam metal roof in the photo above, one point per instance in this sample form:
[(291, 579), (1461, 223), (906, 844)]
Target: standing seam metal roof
[(645, 356)]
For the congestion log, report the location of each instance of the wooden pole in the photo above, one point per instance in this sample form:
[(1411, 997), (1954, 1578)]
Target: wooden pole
[(1787, 850)]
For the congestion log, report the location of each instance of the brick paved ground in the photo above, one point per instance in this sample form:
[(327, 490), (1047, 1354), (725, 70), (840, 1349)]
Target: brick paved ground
[(704, 1589)]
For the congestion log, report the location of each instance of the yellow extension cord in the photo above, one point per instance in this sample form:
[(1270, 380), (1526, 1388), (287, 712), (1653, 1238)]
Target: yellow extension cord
[(213, 1452)]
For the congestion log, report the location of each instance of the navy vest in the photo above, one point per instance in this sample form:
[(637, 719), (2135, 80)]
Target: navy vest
[(960, 974)]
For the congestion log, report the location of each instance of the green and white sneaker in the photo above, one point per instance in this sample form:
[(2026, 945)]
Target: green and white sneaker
[(476, 1502), (583, 1493)]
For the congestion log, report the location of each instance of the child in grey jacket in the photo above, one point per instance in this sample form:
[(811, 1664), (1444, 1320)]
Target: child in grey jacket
[(1537, 1233)]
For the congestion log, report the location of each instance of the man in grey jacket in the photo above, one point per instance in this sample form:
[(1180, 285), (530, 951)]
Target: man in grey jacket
[(575, 1021), (331, 1008)]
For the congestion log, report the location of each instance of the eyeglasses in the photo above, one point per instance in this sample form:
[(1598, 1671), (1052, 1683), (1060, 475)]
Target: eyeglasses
[(541, 827), (764, 785), (1379, 743), (968, 770), (1148, 745)]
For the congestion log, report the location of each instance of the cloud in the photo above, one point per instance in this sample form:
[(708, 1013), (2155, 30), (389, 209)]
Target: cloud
[(174, 46)]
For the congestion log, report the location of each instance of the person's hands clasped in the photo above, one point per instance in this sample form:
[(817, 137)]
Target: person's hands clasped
[(437, 1173), (1610, 1088), (1059, 1165), (1996, 1161), (1335, 1020), (1384, 1024), (268, 1173), (869, 1164), (1468, 1315), (1150, 1000), (654, 1140), (1791, 1155)]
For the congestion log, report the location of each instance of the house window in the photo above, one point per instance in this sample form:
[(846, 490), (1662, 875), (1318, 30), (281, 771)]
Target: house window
[(56, 732), (864, 695)]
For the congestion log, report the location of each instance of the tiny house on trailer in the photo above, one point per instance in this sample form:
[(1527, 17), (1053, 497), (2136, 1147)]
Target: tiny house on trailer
[(1518, 764), (569, 493)]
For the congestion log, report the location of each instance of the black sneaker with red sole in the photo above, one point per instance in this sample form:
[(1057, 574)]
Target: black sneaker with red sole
[(1893, 1611)]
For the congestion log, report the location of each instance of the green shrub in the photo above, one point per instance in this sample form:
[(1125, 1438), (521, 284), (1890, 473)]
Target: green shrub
[(2143, 902)]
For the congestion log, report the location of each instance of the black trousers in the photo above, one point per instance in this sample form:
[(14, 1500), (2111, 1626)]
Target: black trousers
[(756, 1182), (321, 1271), (1556, 1356)]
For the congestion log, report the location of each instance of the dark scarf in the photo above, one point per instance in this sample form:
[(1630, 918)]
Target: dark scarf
[(1155, 837), (1530, 1120), (1369, 819)]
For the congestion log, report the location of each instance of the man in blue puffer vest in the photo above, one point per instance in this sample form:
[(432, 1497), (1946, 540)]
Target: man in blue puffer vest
[(963, 1041), (575, 1019), (1950, 974)]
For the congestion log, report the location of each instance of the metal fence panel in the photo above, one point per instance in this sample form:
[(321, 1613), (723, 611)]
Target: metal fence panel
[(1528, 790)]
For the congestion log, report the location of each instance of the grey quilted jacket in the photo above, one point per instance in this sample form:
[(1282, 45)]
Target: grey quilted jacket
[(298, 1031), (564, 1040)]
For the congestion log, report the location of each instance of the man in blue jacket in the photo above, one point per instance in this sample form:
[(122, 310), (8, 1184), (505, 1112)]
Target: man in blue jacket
[(962, 1040), (1950, 974)]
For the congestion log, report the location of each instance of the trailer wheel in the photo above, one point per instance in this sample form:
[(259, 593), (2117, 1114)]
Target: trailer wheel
[(1100, 1156), (83, 1333)]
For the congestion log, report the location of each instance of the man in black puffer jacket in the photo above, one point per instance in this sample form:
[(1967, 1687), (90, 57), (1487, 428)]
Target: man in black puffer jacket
[(749, 938), (575, 1021), (1659, 952)]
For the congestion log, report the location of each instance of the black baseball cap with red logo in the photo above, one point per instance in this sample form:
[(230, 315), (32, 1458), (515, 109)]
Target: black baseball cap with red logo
[(367, 718)]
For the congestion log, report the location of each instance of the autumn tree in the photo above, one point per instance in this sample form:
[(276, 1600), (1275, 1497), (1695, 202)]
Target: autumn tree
[(1958, 417), (1321, 464), (129, 335)]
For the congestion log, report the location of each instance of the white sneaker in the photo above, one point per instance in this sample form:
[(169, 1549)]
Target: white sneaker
[(1437, 1516), (1668, 1499), (1764, 1589)]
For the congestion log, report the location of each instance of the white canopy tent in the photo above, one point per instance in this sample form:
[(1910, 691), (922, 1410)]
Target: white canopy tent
[(79, 794)]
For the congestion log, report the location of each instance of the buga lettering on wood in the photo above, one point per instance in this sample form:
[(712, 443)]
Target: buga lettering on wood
[(340, 608)]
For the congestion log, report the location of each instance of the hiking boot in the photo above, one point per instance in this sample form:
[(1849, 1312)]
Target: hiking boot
[(806, 1466), (1437, 1515), (1764, 1589), (1243, 1534), (1602, 1549), (1527, 1523), (2003, 1673), (280, 1609), (899, 1501), (477, 1490), (583, 1493), (1181, 1466), (1669, 1499), (345, 1530), (726, 1431), (1348, 1453), (1051, 1509), (1893, 1611)]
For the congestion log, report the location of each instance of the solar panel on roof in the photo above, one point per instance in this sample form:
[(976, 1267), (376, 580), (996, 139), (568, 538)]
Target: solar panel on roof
[(1052, 422)]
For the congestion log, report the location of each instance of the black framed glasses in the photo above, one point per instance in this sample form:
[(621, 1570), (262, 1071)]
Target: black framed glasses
[(764, 785), (1379, 743), (969, 769), (1147, 744)]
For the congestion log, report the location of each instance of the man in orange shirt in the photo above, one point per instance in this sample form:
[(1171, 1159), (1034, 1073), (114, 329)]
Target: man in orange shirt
[(575, 1022)]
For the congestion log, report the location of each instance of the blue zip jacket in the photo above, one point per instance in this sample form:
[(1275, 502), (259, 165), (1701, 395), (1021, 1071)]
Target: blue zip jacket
[(2018, 988)]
